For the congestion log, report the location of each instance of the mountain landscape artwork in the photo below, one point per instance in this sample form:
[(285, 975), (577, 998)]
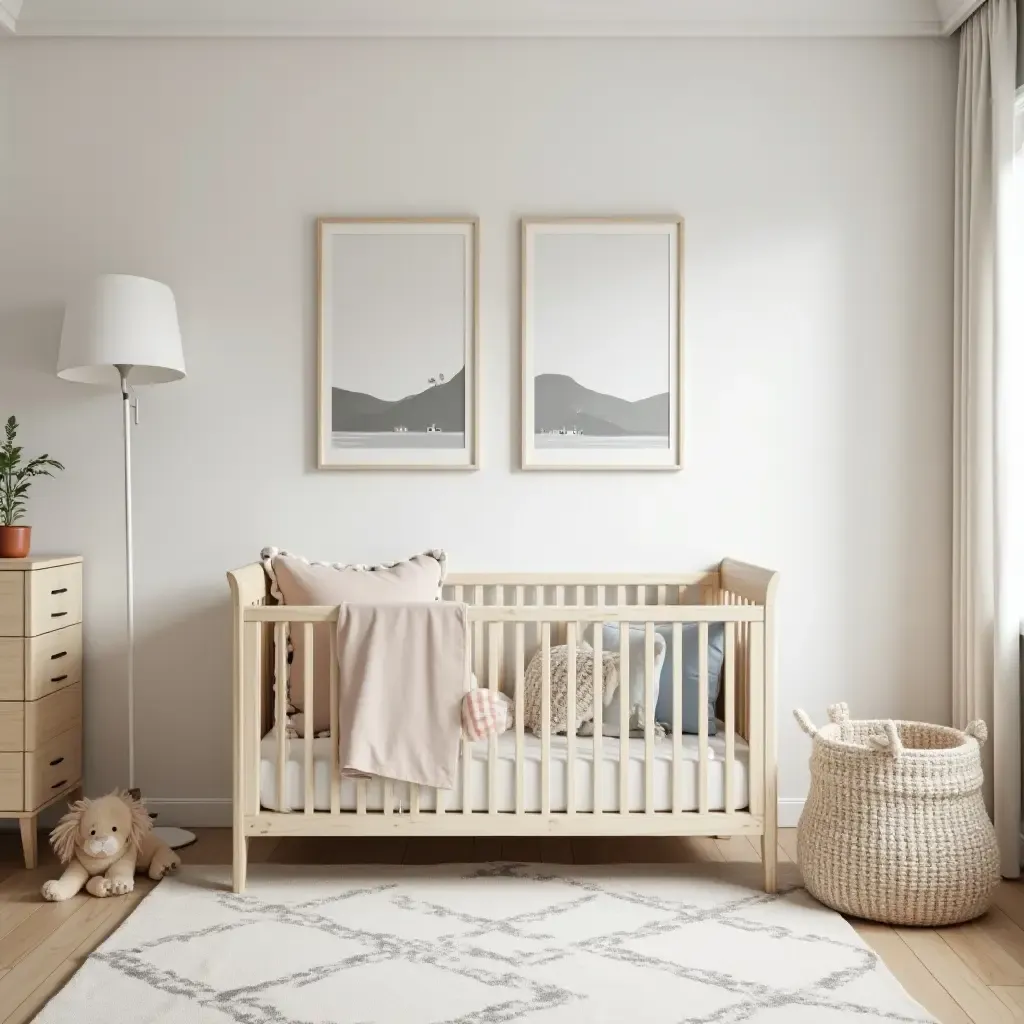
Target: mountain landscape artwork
[(397, 305), (568, 415), (432, 418), (601, 343)]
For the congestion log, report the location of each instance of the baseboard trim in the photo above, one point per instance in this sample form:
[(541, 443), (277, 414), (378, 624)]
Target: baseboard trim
[(790, 809), (212, 812)]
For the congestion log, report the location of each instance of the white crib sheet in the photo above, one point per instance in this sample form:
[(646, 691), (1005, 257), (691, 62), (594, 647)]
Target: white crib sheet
[(506, 783)]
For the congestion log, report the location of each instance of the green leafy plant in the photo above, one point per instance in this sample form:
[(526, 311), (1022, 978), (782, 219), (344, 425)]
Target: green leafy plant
[(16, 477)]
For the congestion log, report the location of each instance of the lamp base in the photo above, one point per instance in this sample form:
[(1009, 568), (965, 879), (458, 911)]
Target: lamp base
[(175, 838)]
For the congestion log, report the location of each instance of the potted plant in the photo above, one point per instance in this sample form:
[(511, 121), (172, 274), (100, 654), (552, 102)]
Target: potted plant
[(15, 479)]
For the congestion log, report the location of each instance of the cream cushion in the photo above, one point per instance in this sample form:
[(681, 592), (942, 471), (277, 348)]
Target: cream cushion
[(294, 580)]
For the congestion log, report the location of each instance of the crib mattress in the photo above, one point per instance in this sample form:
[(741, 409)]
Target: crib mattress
[(295, 782)]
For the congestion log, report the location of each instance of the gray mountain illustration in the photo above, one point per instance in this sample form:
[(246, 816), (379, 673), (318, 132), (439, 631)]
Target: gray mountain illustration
[(560, 402), (442, 406)]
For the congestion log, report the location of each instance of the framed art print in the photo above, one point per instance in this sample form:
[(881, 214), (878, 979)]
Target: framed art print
[(602, 354), (398, 347)]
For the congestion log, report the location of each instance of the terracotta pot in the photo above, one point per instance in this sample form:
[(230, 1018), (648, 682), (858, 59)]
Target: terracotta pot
[(15, 541)]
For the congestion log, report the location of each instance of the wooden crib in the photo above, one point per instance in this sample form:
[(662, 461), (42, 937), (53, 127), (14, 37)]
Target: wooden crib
[(519, 784)]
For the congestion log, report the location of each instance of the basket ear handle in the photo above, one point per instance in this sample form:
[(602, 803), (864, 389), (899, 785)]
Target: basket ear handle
[(839, 713), (805, 723), (888, 740), (978, 730)]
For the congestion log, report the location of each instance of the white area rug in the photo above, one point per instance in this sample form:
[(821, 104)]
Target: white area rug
[(479, 944)]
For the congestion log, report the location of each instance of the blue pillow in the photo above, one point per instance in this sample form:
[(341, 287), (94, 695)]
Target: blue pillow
[(634, 686), (691, 685)]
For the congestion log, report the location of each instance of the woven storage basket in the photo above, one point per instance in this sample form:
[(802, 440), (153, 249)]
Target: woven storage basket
[(895, 828)]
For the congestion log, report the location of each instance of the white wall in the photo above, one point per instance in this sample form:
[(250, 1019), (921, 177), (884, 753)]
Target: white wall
[(816, 182)]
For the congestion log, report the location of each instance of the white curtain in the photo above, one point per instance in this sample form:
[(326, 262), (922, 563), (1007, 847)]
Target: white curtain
[(988, 556)]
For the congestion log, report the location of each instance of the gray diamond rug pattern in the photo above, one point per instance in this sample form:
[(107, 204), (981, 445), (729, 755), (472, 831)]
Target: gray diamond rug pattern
[(479, 944)]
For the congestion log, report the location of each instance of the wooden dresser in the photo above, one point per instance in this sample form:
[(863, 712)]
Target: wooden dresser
[(40, 688)]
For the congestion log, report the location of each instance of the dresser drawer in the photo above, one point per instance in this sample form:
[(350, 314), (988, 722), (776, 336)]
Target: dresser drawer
[(12, 668), (12, 782), (12, 603), (53, 599), (51, 716), (12, 725), (53, 768), (52, 661)]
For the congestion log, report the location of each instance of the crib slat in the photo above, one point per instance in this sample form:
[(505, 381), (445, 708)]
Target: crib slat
[(467, 744), (281, 679), (677, 717), (649, 717), (702, 717), (560, 602), (623, 715), (457, 593), (570, 731), (249, 751), (662, 593), (361, 796), (335, 726), (578, 595), (730, 714), (520, 655), (545, 719), (492, 752), (598, 645), (755, 658), (388, 790), (414, 799), (307, 703)]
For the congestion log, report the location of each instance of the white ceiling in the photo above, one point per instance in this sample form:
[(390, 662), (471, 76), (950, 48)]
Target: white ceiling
[(483, 17)]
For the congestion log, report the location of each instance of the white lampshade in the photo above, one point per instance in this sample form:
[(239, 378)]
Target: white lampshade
[(120, 319)]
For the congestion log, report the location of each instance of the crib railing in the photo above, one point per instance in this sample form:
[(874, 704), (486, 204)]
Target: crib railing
[(511, 618), (741, 705)]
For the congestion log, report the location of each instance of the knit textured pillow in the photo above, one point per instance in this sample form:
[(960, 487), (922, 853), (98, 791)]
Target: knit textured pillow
[(532, 705)]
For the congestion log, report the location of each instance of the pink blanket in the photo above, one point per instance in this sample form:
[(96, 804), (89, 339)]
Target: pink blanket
[(401, 680)]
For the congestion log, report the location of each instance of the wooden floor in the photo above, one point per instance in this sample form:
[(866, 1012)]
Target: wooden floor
[(974, 973)]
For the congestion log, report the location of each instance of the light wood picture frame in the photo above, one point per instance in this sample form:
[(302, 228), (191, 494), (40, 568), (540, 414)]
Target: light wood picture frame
[(602, 343), (398, 343)]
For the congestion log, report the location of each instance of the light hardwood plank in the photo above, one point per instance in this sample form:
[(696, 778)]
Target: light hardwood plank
[(35, 967), (118, 911), (35, 927), (974, 997), (1010, 900), (787, 845), (738, 850), (1012, 997), (911, 973), (992, 946)]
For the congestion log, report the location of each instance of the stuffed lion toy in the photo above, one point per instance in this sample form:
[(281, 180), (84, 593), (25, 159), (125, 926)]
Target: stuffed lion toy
[(104, 842)]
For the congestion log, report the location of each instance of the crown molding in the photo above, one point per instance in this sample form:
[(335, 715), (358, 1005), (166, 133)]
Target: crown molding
[(463, 18), (955, 12), (9, 11)]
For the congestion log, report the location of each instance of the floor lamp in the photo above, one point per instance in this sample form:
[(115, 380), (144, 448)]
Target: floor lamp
[(125, 329)]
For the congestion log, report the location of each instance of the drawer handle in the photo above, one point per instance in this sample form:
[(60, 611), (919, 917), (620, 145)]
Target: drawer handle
[(57, 615), (57, 761), (61, 654), (60, 590), (57, 785), (58, 679)]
